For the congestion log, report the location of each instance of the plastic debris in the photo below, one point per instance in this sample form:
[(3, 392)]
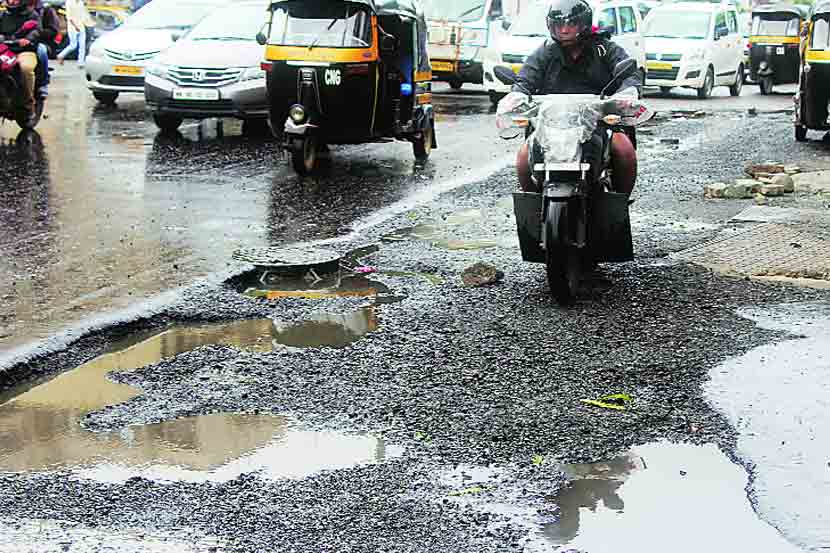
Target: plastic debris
[(617, 402), (467, 491)]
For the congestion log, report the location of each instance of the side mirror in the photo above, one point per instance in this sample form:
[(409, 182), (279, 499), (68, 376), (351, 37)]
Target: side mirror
[(505, 74), (721, 32), (175, 36), (625, 68), (388, 44), (506, 23), (261, 39)]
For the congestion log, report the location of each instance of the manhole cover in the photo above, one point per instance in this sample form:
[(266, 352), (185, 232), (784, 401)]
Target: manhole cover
[(767, 249), (290, 258)]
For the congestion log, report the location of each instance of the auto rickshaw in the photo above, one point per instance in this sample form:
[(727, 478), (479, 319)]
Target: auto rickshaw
[(813, 93), (774, 44), (348, 72)]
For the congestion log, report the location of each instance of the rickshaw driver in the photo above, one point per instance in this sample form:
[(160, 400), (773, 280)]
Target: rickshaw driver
[(576, 61)]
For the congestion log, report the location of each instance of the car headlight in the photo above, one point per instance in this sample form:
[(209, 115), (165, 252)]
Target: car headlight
[(697, 55), (297, 113), (158, 70), (474, 37), (252, 74)]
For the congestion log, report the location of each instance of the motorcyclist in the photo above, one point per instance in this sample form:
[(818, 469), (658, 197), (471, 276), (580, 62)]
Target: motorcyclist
[(49, 39), (21, 23), (576, 60)]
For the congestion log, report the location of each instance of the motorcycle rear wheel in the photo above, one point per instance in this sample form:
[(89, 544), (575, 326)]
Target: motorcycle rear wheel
[(563, 262), (22, 117)]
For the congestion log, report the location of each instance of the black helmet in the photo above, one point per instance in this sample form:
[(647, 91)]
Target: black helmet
[(572, 13)]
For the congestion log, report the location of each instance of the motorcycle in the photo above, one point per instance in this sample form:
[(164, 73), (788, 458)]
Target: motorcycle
[(578, 219), (11, 93)]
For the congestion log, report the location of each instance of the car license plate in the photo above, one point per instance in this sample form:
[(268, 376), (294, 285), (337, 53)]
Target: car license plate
[(659, 65), (516, 67), (443, 66), (779, 51), (206, 94), (128, 70)]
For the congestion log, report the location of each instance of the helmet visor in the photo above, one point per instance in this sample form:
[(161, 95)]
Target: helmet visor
[(566, 28)]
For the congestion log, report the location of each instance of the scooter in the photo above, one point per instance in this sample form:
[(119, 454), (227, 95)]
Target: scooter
[(577, 220), (11, 90)]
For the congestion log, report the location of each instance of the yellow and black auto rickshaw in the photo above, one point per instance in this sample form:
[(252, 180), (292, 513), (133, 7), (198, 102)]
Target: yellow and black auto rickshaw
[(813, 94), (774, 44), (348, 72)]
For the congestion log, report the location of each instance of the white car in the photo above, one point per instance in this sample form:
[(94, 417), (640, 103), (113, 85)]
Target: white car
[(529, 30), (116, 61), (694, 45)]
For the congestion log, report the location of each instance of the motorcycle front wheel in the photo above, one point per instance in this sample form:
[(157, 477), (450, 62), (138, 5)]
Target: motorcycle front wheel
[(562, 260)]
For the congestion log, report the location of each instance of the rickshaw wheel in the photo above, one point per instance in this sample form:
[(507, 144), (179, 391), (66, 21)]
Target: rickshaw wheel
[(765, 84), (423, 145), (304, 155), (801, 133)]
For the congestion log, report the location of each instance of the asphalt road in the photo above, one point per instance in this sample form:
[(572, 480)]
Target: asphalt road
[(450, 417)]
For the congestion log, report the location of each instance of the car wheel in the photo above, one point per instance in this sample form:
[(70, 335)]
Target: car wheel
[(456, 84), (256, 127), (708, 84), (167, 123), (495, 97), (800, 133), (106, 98), (735, 89)]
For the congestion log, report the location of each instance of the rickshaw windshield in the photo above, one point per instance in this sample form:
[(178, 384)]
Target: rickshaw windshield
[(319, 23), (821, 34), (781, 25)]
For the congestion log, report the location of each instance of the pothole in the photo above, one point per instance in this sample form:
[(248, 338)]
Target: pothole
[(40, 427), (691, 497)]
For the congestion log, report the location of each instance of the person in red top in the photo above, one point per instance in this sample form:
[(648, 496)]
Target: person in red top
[(21, 24)]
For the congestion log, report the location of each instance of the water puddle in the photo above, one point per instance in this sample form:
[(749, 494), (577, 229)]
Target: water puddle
[(778, 398), (40, 427), (657, 498)]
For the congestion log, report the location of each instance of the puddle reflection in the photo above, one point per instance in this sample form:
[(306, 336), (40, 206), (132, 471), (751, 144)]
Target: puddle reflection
[(660, 496), (40, 427)]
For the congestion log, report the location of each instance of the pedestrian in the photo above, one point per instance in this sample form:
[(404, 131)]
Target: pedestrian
[(77, 20)]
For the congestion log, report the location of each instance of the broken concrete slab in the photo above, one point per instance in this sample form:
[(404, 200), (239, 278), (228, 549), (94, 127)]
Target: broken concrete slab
[(784, 180), (816, 182), (772, 190), (715, 190), (754, 169)]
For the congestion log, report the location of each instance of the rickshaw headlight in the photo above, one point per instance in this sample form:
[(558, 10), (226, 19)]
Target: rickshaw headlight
[(297, 113), (252, 74)]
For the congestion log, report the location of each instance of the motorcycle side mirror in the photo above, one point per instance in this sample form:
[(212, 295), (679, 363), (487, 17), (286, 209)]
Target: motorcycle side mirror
[(261, 39), (505, 74), (622, 70)]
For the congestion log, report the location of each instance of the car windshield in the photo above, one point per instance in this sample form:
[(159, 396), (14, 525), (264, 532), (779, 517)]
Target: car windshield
[(677, 24), (169, 14), (778, 26), (320, 23), (531, 22), (454, 10), (232, 23), (821, 34)]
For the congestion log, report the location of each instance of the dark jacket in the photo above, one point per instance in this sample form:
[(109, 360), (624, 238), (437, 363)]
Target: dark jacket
[(11, 28), (542, 72)]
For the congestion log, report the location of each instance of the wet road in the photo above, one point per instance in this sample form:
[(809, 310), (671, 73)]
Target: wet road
[(100, 212), (201, 442)]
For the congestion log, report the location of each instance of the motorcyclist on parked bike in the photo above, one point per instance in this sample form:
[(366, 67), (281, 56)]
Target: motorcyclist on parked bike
[(577, 60), (21, 24)]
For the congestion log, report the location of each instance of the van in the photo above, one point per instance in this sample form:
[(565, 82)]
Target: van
[(621, 18), (694, 45)]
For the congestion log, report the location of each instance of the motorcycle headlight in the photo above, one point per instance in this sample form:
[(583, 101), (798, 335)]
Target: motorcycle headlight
[(159, 70), (252, 74), (297, 113), (474, 37)]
